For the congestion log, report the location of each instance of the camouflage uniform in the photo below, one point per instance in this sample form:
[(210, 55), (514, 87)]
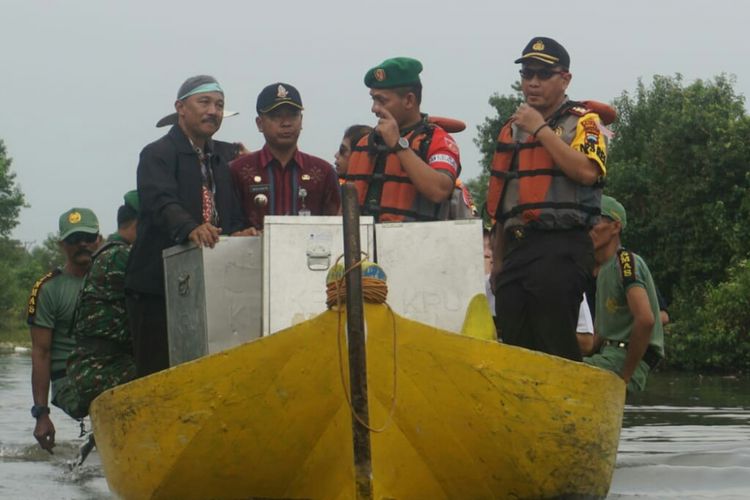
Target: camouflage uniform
[(103, 356)]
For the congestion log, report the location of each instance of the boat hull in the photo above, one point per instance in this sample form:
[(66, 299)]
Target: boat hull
[(270, 419)]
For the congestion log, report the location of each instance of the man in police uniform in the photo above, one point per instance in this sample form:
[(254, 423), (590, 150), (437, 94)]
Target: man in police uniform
[(544, 194), (50, 314), (279, 179), (627, 327), (103, 354), (407, 168)]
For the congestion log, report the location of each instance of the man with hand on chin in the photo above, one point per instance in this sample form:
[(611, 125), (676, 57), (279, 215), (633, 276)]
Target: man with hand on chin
[(406, 169), (185, 194), (544, 195)]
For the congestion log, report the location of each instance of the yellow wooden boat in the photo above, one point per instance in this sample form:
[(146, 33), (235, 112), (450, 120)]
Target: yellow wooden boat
[(472, 419)]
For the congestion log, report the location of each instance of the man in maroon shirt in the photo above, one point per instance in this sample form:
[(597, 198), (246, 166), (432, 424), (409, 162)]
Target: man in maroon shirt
[(280, 179)]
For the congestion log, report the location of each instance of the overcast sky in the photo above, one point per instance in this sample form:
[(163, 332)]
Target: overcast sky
[(84, 82)]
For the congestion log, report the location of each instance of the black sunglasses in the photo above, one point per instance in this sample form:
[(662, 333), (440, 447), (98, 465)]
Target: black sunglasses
[(76, 238), (542, 74)]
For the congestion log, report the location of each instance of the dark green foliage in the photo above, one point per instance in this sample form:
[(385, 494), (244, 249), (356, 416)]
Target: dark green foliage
[(19, 270), (715, 335), (11, 257), (679, 163), (19, 267), (11, 198), (48, 255), (12, 254)]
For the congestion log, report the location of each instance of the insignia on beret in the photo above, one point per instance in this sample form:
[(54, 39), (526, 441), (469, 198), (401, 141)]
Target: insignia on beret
[(281, 92), (538, 46), (74, 217), (379, 74)]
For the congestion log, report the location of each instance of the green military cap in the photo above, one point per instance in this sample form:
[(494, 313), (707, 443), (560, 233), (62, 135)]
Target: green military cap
[(132, 200), (614, 210), (395, 72), (78, 220)]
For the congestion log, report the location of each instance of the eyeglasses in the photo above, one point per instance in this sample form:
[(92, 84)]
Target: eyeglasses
[(543, 73), (76, 238)]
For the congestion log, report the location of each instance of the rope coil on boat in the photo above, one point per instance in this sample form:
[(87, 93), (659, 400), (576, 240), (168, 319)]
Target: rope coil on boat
[(374, 286), (374, 290)]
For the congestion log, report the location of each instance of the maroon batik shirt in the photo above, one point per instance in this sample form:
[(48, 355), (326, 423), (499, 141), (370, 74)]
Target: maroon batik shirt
[(307, 185)]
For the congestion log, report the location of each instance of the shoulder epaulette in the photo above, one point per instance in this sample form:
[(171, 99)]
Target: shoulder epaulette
[(450, 125), (579, 110), (31, 309), (626, 259)]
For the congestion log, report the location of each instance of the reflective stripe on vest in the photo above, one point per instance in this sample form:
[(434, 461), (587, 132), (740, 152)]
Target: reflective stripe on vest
[(526, 187), (383, 187)]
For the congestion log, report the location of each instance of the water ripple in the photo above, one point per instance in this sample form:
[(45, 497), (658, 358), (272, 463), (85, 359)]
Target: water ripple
[(685, 452)]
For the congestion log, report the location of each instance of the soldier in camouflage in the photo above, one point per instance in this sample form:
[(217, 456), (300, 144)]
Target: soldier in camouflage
[(103, 356)]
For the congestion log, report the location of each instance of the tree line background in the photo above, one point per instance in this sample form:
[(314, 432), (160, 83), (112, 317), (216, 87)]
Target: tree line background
[(20, 266), (679, 162)]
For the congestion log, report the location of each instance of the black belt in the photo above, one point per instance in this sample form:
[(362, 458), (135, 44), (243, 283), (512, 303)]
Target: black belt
[(521, 232), (516, 235), (651, 356)]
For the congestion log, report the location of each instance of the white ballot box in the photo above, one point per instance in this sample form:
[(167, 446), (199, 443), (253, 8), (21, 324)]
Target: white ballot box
[(297, 254), (433, 268)]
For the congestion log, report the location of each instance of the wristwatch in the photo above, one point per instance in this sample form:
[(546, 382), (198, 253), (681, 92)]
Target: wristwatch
[(38, 411), (402, 144)]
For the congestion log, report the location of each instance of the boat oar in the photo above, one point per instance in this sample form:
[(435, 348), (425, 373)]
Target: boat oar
[(355, 328)]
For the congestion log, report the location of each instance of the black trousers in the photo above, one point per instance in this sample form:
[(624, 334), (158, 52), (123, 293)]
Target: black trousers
[(540, 287), (147, 314)]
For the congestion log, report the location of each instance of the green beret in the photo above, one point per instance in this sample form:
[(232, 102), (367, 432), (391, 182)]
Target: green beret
[(131, 199), (395, 72)]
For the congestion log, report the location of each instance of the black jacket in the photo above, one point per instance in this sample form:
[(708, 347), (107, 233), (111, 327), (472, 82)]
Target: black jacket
[(169, 186)]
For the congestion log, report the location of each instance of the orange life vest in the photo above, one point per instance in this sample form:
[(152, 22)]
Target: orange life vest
[(462, 203), (385, 190), (542, 195)]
